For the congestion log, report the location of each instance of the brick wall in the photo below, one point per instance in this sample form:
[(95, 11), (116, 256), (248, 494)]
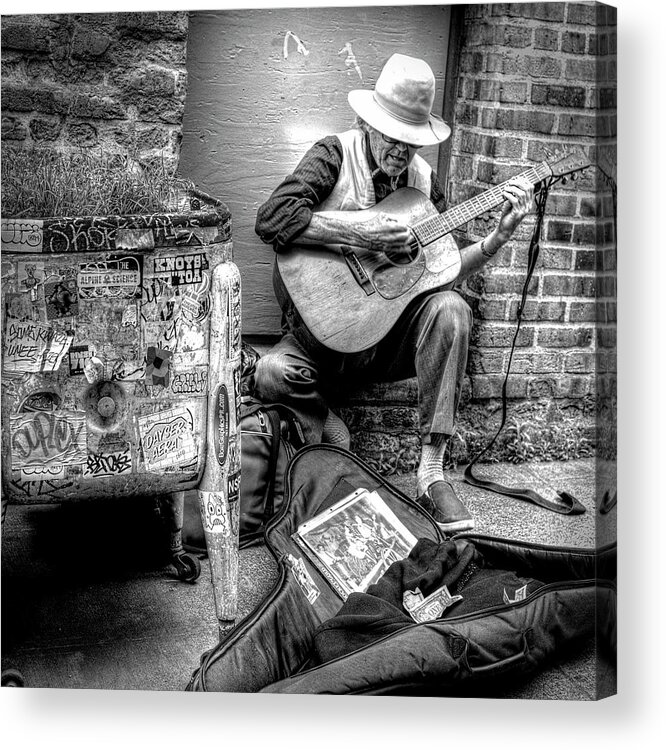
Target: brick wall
[(534, 80), (537, 80), (116, 80)]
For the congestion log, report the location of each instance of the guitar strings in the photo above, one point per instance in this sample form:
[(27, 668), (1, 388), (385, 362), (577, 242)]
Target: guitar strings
[(433, 227)]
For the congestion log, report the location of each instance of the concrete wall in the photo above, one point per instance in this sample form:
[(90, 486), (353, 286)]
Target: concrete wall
[(112, 80)]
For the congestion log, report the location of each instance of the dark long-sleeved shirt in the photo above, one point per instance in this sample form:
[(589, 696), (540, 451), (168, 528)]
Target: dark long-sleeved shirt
[(289, 209)]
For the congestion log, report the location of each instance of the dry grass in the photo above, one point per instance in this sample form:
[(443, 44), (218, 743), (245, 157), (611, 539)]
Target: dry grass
[(39, 183)]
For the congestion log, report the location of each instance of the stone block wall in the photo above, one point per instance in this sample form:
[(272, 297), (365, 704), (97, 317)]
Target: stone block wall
[(535, 80), (112, 80)]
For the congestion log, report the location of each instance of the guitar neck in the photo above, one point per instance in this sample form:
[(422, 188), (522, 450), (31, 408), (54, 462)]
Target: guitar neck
[(434, 227)]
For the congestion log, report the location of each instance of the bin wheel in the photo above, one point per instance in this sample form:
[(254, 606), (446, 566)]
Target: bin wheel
[(188, 567), (12, 678)]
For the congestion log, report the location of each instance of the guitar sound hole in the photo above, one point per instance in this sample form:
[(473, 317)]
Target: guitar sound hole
[(401, 258)]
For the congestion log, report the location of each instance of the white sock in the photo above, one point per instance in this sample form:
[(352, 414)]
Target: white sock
[(335, 431), (431, 468)]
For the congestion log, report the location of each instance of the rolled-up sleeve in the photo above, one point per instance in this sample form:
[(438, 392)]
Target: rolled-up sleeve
[(289, 209)]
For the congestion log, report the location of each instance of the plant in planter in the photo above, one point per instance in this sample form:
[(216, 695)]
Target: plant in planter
[(107, 275)]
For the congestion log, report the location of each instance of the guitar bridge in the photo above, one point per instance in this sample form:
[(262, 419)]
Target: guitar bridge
[(357, 270)]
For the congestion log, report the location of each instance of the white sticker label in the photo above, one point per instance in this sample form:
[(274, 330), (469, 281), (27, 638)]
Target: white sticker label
[(20, 236), (167, 439), (30, 346)]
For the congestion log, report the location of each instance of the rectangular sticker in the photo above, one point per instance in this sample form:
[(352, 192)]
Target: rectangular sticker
[(108, 463), (167, 439), (48, 439), (61, 295), (118, 276), (34, 347), (181, 269), (78, 356), (135, 239), (193, 383), (158, 366), (30, 278), (20, 236)]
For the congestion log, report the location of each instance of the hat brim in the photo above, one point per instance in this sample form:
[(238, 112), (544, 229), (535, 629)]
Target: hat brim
[(429, 133)]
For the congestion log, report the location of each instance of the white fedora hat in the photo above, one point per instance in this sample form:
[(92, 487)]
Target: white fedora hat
[(401, 104)]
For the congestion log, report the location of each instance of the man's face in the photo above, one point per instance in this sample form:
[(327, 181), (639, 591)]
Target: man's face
[(392, 156)]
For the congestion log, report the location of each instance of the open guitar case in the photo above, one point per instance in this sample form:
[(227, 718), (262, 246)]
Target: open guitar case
[(571, 599)]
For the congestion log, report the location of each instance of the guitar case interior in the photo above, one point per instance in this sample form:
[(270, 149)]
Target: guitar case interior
[(271, 650)]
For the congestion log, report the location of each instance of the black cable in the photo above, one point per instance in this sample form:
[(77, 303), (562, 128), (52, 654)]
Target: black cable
[(567, 505)]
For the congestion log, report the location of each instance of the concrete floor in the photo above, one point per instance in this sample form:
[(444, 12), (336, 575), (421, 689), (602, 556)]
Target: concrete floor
[(88, 599)]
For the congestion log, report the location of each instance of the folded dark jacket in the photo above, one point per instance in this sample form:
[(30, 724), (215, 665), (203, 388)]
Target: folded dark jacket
[(367, 617)]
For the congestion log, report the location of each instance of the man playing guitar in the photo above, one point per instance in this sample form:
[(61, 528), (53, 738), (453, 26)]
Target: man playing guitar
[(323, 203)]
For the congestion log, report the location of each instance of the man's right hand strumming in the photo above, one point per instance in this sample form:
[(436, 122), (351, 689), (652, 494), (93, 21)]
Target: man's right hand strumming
[(379, 232)]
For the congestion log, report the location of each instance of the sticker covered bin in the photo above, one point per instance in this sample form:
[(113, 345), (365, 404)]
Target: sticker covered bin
[(120, 335)]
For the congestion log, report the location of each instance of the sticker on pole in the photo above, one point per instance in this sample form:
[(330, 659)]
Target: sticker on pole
[(167, 439), (221, 418)]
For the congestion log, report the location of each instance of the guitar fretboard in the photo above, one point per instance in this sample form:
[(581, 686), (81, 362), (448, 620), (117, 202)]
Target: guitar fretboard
[(433, 227)]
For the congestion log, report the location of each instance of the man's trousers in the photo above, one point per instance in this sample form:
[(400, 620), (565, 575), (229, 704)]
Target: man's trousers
[(430, 341)]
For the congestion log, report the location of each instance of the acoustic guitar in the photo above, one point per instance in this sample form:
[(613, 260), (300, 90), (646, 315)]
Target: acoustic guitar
[(349, 298)]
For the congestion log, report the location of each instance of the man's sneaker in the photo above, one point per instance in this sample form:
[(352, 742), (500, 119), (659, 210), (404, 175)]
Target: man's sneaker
[(441, 501)]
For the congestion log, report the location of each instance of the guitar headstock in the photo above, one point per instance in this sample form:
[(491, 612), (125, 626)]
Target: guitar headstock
[(574, 161)]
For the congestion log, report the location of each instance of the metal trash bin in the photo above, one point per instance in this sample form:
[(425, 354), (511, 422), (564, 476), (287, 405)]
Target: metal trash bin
[(121, 334)]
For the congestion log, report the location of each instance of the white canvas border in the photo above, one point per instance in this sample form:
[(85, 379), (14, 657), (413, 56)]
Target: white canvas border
[(62, 718)]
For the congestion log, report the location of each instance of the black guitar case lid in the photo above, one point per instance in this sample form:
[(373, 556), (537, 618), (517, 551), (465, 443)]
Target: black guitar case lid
[(271, 649)]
